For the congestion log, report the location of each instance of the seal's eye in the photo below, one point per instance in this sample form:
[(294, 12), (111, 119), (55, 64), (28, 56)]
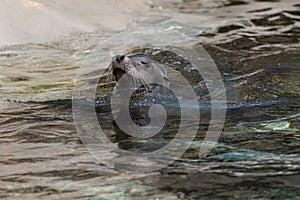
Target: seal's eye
[(144, 62), (146, 65)]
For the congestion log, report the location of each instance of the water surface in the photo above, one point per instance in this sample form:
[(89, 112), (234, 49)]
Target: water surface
[(257, 156)]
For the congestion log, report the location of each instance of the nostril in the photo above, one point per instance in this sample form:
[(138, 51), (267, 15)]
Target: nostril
[(120, 58)]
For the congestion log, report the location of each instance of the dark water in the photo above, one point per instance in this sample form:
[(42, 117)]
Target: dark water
[(256, 157)]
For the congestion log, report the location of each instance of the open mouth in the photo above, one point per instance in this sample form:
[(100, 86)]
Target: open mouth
[(130, 81), (118, 73)]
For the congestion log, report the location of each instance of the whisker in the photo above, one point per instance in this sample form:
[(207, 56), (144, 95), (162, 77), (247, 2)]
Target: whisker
[(108, 78), (137, 79), (132, 78), (143, 81), (132, 82), (135, 83)]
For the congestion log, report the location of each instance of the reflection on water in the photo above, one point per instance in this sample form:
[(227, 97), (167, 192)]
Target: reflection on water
[(257, 53)]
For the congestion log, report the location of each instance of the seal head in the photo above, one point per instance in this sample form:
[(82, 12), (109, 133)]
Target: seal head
[(141, 68)]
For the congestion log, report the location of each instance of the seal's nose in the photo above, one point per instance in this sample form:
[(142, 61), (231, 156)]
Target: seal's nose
[(119, 58)]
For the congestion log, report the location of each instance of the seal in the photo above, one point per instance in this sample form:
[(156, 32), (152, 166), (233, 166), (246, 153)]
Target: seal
[(141, 70), (148, 78)]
